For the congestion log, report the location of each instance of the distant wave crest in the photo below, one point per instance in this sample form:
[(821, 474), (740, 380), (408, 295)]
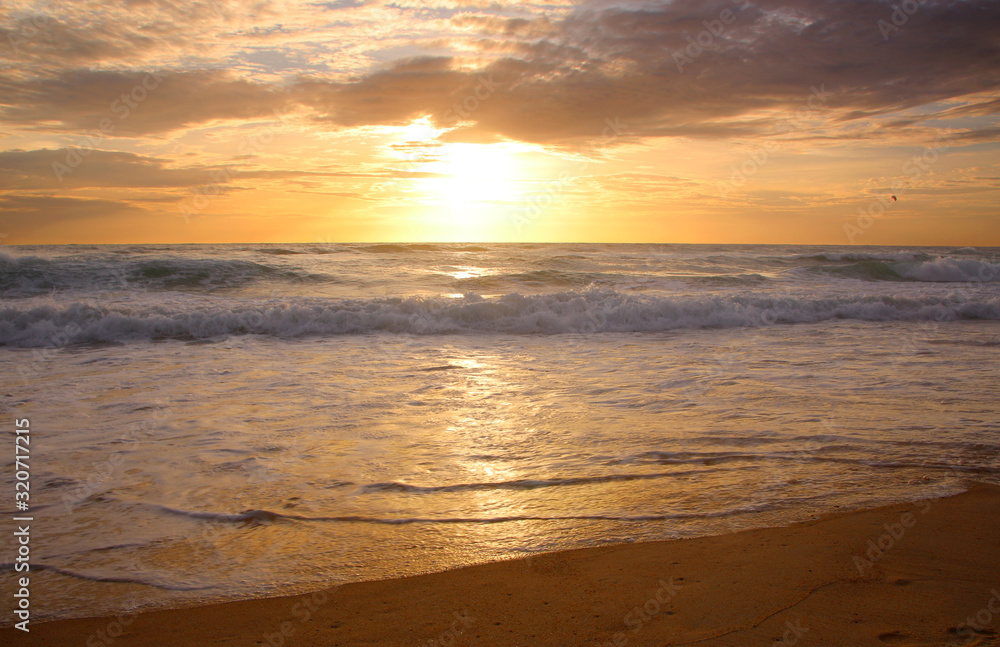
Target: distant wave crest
[(940, 270), (32, 275), (304, 267), (837, 257)]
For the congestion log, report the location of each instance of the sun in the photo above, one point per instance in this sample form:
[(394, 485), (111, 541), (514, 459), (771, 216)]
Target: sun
[(464, 191), (474, 189), (474, 174)]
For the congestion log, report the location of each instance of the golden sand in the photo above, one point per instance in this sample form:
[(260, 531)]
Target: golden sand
[(926, 573)]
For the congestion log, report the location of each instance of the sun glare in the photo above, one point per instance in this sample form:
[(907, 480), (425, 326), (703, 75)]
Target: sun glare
[(420, 130), (467, 191), (475, 188), (474, 174)]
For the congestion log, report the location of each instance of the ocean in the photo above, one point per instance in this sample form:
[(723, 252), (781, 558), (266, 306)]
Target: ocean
[(219, 422)]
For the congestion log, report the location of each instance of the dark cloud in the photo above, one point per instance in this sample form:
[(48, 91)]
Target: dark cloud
[(117, 31), (647, 69), (716, 69), (67, 168), (82, 168), (974, 108), (133, 103), (20, 213), (393, 96), (504, 26), (41, 38), (977, 136)]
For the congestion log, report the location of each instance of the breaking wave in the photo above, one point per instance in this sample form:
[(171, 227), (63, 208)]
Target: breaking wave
[(589, 311)]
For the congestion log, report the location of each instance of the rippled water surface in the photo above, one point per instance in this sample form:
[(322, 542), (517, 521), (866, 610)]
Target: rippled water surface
[(217, 422)]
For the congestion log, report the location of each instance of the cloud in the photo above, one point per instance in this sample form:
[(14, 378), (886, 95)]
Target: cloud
[(41, 38), (504, 26), (715, 70), (133, 103), (647, 68), (67, 168), (978, 135), (75, 169), (50, 36), (20, 213)]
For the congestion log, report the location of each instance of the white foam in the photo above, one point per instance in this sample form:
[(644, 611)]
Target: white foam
[(947, 269), (590, 311)]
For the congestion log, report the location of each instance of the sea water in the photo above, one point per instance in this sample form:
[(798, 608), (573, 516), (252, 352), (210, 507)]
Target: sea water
[(215, 422)]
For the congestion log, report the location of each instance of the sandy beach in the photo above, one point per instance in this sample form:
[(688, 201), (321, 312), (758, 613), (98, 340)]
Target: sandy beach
[(925, 573), (460, 323)]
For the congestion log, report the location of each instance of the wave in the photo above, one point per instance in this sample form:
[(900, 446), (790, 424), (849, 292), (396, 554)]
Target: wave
[(553, 278), (32, 275), (119, 579), (940, 270), (150, 269), (537, 278), (837, 257), (518, 484), (268, 516), (729, 279), (950, 270), (279, 251), (590, 311), (714, 458), (976, 446), (401, 248)]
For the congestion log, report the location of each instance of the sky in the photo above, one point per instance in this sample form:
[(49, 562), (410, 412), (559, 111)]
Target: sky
[(724, 121)]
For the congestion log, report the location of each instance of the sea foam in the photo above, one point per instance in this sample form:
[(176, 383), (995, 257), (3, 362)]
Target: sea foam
[(589, 311)]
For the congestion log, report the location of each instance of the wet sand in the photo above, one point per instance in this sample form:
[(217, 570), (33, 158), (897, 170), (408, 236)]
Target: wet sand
[(926, 573)]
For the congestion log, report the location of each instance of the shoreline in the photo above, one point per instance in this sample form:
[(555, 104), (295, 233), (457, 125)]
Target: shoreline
[(920, 573)]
